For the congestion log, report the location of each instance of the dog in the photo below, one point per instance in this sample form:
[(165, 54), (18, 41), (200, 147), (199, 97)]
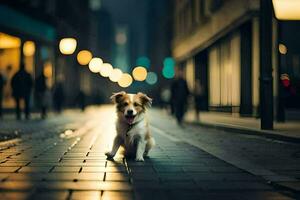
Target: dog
[(132, 126)]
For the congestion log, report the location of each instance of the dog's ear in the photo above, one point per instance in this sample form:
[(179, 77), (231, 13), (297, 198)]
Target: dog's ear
[(147, 101), (117, 96)]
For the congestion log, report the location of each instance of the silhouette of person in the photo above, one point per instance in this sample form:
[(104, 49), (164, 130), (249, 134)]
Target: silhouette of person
[(179, 95), (2, 82), (81, 100), (21, 84), (58, 96), (40, 94), (198, 96)]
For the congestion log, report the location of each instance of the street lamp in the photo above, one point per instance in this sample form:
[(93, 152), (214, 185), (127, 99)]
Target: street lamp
[(139, 73), (84, 57), (151, 78), (29, 48), (67, 46), (125, 80), (115, 75), (287, 9), (106, 69), (95, 64)]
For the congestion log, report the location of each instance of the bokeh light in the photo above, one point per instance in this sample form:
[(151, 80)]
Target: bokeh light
[(106, 69), (169, 68), (282, 49), (95, 64), (48, 70), (139, 73), (84, 57), (121, 38), (143, 61), (151, 78), (29, 48), (115, 75), (125, 80), (67, 46)]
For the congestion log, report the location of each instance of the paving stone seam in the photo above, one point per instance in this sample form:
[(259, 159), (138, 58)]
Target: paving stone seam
[(246, 166)]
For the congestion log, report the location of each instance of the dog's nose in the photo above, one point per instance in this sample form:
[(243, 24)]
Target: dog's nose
[(129, 112)]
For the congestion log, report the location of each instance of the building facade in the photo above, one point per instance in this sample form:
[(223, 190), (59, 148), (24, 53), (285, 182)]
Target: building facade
[(38, 26), (217, 43)]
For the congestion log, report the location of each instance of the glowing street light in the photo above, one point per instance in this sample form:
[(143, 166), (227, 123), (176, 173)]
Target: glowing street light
[(48, 69), (151, 78), (67, 46), (139, 73), (84, 57), (115, 75), (29, 48), (287, 9), (106, 69), (125, 80), (95, 64), (282, 49), (169, 68)]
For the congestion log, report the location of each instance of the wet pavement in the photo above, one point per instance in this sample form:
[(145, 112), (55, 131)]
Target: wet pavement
[(63, 158)]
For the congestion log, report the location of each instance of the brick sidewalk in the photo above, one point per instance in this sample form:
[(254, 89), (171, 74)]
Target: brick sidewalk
[(73, 166), (289, 130)]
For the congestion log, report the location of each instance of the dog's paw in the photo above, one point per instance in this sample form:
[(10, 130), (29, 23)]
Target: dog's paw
[(141, 159), (109, 155)]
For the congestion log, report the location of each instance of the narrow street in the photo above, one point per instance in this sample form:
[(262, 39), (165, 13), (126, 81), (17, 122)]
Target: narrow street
[(63, 158)]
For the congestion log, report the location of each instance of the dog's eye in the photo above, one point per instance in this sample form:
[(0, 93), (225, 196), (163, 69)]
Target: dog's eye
[(125, 104), (136, 104)]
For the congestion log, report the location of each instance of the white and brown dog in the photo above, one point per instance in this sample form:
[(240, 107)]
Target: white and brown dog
[(132, 127)]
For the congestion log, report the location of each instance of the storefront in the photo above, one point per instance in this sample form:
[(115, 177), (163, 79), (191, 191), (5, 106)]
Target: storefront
[(27, 39)]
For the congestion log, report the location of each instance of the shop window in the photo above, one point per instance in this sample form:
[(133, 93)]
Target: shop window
[(9, 64), (224, 72)]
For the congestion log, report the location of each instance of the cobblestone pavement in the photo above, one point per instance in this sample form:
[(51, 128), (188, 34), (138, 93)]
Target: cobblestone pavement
[(273, 160), (65, 160)]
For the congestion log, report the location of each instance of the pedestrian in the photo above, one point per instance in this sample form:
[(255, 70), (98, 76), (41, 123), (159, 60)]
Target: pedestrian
[(80, 100), (2, 83), (22, 85), (198, 97), (40, 94), (165, 96), (58, 96), (179, 96)]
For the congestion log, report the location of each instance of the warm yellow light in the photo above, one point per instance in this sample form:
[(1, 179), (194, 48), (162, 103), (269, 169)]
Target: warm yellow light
[(125, 80), (287, 9), (48, 69), (115, 75), (282, 49), (8, 41), (29, 48), (139, 73), (121, 38), (67, 46), (84, 57), (95, 64), (106, 69)]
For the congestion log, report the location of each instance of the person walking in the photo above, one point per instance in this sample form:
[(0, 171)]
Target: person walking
[(58, 96), (21, 84), (198, 96), (40, 94), (179, 96)]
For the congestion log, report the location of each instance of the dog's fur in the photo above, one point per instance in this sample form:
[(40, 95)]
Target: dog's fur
[(132, 126)]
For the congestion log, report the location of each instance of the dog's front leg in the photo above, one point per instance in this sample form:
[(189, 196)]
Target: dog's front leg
[(117, 143), (141, 145)]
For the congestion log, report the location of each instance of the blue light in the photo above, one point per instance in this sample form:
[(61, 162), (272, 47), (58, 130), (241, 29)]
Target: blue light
[(169, 68), (143, 61), (151, 78)]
